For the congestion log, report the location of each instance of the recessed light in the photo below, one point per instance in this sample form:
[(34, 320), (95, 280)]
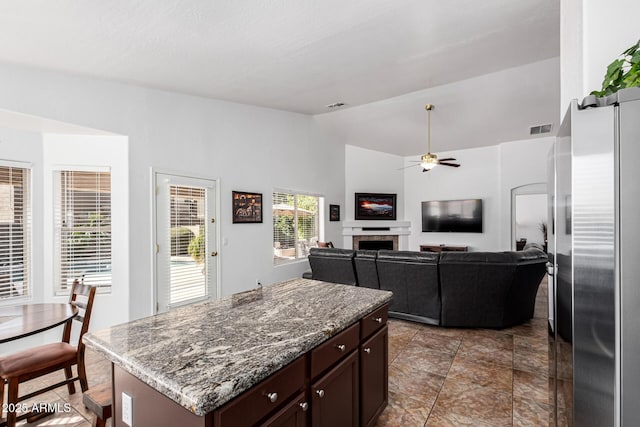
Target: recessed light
[(336, 105)]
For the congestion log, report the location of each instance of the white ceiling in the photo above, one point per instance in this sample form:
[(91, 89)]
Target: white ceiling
[(289, 54)]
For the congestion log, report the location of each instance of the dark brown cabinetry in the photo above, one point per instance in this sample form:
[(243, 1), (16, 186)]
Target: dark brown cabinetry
[(341, 382), (335, 397), (255, 404), (292, 415), (374, 371)]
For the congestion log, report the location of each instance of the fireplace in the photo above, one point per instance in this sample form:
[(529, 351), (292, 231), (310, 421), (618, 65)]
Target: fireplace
[(375, 242), (397, 232)]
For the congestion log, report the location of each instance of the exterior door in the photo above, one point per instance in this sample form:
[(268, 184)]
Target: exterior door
[(186, 241)]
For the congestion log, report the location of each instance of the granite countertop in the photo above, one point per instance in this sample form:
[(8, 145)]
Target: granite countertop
[(203, 355)]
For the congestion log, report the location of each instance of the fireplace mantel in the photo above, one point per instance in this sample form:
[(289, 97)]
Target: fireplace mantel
[(402, 229)]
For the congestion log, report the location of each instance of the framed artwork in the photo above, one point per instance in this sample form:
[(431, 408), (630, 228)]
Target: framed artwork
[(334, 212), (375, 206), (247, 207)]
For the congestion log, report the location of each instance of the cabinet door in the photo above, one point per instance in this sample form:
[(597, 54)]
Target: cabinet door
[(335, 397), (374, 377), (292, 415)]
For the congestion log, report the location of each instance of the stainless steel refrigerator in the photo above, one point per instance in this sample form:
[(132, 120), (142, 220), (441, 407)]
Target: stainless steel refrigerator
[(594, 264)]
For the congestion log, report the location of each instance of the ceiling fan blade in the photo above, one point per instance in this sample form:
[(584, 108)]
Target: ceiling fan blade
[(455, 165), (406, 167), (447, 159)]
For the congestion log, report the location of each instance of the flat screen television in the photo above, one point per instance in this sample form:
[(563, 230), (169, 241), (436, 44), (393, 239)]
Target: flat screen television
[(452, 216)]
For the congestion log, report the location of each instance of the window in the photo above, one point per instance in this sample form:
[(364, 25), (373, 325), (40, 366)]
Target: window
[(15, 225), (83, 228), (295, 226)]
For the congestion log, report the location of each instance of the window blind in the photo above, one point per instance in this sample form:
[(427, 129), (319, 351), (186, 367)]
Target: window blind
[(83, 229), (15, 228), (187, 267), (295, 226)]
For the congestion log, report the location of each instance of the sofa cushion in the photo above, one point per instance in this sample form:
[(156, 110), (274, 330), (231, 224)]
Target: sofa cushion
[(366, 269), (332, 265), (413, 279), (489, 289)]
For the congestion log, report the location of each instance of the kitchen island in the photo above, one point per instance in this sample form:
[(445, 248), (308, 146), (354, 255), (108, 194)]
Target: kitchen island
[(245, 359)]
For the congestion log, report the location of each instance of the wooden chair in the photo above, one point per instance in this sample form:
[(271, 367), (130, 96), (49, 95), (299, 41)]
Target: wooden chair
[(42, 360), (325, 244), (98, 400)]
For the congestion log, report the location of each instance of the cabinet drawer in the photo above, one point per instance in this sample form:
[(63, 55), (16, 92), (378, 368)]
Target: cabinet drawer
[(292, 415), (336, 348), (374, 321), (261, 400)]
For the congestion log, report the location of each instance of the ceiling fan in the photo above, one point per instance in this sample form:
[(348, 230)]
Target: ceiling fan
[(429, 161)]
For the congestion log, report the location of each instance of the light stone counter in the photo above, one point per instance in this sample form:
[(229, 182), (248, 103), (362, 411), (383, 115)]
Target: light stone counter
[(203, 355)]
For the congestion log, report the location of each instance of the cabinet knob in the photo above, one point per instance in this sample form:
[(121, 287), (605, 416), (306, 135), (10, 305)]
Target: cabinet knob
[(341, 347), (304, 406), (377, 319), (320, 393), (367, 350), (272, 397)]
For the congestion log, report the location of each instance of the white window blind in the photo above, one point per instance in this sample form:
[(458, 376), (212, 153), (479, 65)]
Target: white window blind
[(295, 226), (83, 229), (187, 269), (15, 226)]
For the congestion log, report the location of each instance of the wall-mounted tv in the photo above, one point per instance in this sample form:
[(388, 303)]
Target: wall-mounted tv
[(452, 216)]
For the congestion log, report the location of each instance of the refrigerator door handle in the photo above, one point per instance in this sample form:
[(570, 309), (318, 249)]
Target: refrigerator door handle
[(552, 269)]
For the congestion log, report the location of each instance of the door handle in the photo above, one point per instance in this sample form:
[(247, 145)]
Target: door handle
[(552, 269), (214, 253)]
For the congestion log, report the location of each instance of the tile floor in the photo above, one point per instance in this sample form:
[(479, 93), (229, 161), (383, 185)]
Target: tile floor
[(438, 377)]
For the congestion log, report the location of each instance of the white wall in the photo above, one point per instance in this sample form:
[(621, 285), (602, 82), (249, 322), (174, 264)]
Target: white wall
[(487, 173), (247, 148), (593, 33), (477, 178), (521, 163), (60, 151), (368, 171)]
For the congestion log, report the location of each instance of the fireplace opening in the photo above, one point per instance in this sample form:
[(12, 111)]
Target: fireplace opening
[(375, 244)]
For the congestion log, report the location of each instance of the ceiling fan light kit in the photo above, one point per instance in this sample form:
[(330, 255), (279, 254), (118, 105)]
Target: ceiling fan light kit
[(429, 161)]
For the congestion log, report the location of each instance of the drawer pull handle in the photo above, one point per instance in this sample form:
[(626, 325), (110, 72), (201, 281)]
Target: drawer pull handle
[(320, 393), (367, 350), (304, 406), (272, 397), (341, 347), (377, 319)]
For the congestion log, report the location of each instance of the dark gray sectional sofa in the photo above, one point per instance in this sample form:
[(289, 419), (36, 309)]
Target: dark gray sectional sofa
[(456, 289)]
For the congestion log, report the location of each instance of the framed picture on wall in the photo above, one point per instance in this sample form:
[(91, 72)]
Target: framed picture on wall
[(247, 207), (334, 212), (375, 206)]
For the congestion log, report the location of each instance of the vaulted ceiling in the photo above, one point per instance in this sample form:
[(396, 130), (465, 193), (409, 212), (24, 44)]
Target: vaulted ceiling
[(300, 56)]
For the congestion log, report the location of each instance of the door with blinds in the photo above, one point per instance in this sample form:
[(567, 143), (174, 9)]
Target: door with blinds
[(186, 241)]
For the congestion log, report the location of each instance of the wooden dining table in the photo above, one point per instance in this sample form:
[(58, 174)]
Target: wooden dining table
[(20, 321)]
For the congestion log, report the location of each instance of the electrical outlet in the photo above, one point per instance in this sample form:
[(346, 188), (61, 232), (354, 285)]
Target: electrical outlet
[(127, 409)]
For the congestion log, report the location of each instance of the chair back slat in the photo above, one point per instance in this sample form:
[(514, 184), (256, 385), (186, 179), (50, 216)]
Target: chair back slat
[(80, 304), (85, 306)]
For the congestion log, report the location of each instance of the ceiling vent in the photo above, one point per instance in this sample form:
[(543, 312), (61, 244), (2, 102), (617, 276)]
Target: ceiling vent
[(537, 130), (336, 105)]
